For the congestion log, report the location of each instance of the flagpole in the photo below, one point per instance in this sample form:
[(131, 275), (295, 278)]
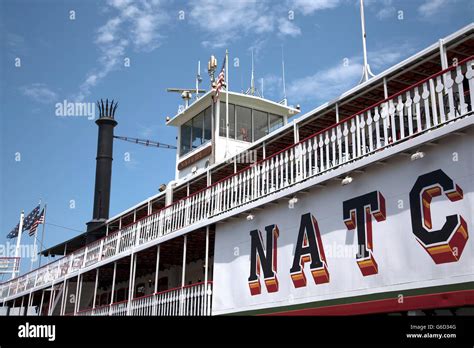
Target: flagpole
[(34, 251), (18, 241), (33, 258), (42, 234), (226, 100)]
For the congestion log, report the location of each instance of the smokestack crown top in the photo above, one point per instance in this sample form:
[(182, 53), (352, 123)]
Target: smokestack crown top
[(107, 110)]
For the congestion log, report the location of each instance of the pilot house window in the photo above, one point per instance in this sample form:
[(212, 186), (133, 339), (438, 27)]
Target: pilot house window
[(260, 122), (231, 120), (243, 117), (247, 124), (196, 131)]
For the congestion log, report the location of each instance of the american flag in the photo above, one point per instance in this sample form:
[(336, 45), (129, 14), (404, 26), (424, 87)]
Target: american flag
[(39, 220), (220, 81), (27, 222), (13, 233)]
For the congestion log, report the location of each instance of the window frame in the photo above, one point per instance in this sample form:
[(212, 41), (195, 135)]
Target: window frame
[(191, 133)]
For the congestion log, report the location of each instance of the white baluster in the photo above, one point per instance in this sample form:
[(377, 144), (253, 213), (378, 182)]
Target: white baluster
[(434, 110), (370, 131), (448, 85), (353, 136), (359, 149), (439, 91), (393, 125), (333, 146), (362, 134), (400, 107), (470, 77), (426, 104), (339, 144), (409, 104), (384, 115), (345, 133), (459, 82)]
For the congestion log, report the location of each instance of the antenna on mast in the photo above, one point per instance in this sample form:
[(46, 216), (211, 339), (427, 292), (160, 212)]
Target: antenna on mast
[(366, 73), (198, 79), (252, 90), (284, 101), (252, 85)]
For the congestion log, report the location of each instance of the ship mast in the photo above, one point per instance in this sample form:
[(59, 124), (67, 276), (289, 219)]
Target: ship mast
[(366, 73)]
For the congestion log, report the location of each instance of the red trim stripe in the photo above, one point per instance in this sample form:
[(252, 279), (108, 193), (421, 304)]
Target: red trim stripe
[(428, 301)]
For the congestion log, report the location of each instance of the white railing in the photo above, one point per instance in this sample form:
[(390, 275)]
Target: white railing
[(431, 103), (190, 300)]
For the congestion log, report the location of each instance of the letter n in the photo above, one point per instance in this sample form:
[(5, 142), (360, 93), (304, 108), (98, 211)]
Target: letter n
[(309, 248), (265, 259)]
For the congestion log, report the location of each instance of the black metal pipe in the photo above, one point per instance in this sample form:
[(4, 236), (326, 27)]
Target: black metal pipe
[(103, 173)]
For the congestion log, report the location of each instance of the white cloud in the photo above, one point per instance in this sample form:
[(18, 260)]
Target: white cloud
[(308, 7), (287, 27), (431, 7), (327, 84), (273, 86), (136, 24), (224, 21), (382, 58), (39, 92), (15, 44), (108, 32), (383, 9), (386, 12)]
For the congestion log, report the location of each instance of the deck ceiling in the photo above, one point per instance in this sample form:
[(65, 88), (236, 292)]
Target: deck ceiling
[(171, 253)]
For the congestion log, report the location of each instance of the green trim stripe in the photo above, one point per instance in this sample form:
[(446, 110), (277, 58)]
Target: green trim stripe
[(362, 298)]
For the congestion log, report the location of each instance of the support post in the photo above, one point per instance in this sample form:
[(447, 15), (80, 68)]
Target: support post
[(95, 287), (41, 303), (157, 270), (131, 282), (21, 305), (442, 54), (77, 299), (28, 305), (113, 283), (51, 299), (80, 294), (183, 275), (296, 133), (65, 294), (227, 103), (206, 271)]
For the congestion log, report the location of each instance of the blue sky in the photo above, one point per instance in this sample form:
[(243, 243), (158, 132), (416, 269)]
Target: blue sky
[(80, 56)]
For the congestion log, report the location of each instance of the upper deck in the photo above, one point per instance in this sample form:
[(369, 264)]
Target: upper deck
[(207, 136), (412, 103)]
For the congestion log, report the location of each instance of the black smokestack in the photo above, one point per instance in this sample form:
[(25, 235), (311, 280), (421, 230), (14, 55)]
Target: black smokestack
[(103, 171)]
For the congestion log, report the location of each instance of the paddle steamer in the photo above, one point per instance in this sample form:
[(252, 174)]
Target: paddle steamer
[(364, 204)]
